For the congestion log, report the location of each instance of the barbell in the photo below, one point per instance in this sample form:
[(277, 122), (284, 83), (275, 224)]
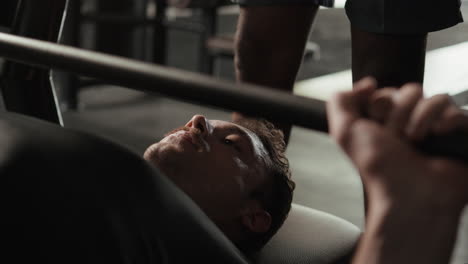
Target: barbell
[(249, 99)]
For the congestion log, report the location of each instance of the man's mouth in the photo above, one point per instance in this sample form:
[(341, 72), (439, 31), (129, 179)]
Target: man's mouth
[(193, 136)]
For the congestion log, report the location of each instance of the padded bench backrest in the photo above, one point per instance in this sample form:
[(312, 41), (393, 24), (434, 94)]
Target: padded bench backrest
[(311, 236)]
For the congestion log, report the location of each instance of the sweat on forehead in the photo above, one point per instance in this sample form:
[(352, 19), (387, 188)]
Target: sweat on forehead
[(257, 144), (268, 139)]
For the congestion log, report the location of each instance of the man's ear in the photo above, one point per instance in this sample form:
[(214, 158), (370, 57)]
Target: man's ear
[(255, 218)]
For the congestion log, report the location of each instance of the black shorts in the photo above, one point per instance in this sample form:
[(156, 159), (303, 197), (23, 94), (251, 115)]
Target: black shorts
[(326, 3), (403, 17), (397, 17)]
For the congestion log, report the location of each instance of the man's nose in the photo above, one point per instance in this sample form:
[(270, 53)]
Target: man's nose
[(200, 122)]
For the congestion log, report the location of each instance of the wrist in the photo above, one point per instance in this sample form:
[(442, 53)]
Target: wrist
[(403, 233), (410, 211), (434, 208), (430, 193)]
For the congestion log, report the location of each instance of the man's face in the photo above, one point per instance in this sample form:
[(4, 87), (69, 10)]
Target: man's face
[(217, 163)]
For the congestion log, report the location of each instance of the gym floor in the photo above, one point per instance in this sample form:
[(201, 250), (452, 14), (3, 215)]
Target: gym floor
[(325, 178)]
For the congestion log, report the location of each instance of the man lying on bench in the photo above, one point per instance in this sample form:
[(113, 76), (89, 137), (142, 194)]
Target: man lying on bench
[(69, 197), (239, 176)]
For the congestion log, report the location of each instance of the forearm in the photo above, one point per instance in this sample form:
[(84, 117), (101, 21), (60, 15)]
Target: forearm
[(402, 234), (270, 44)]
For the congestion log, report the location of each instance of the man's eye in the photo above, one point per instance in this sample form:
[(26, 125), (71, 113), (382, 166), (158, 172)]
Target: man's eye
[(232, 144), (233, 141)]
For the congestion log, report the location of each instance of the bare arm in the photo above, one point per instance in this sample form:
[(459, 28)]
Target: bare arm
[(416, 223), (411, 235), (415, 201), (270, 42)]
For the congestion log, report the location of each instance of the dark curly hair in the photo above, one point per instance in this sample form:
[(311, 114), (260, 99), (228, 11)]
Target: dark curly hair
[(276, 194)]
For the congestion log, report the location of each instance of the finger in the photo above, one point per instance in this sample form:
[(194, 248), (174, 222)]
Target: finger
[(453, 118), (381, 104), (426, 114), (346, 107), (404, 101), (365, 84)]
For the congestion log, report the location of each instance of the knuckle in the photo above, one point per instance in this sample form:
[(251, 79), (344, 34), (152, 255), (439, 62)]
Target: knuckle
[(442, 98), (413, 85), (413, 89)]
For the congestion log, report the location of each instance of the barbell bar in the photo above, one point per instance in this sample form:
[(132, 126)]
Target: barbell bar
[(197, 88)]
